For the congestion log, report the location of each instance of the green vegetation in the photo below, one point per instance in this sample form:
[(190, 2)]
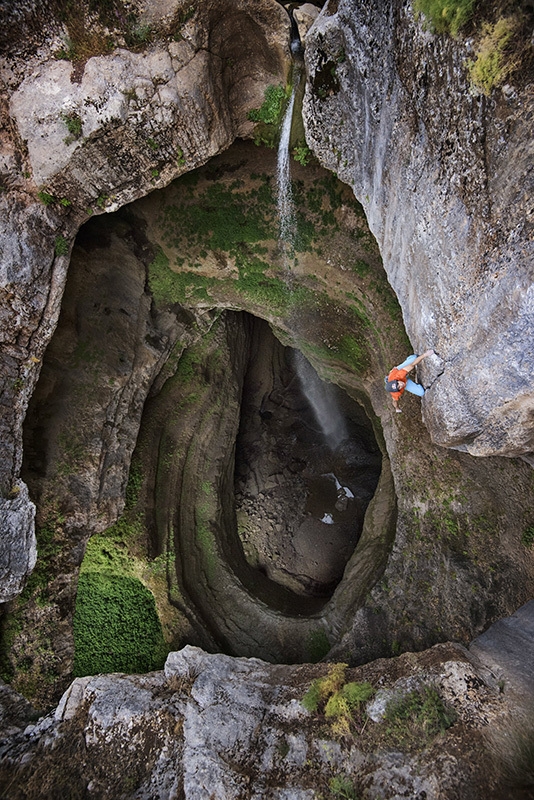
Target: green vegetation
[(49, 535), (95, 27), (272, 109), (268, 117), (182, 16), (493, 64), (340, 702), (61, 246), (224, 218), (302, 154), (138, 35), (45, 197), (116, 626), (203, 533), (527, 537), (318, 645), (352, 351), (418, 716), (342, 787), (133, 487), (446, 16), (74, 126), (172, 287)]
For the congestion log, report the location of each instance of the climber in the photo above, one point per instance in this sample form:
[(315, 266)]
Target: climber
[(397, 382)]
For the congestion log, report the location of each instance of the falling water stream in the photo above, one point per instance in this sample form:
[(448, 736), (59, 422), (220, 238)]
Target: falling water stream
[(320, 395), (286, 210)]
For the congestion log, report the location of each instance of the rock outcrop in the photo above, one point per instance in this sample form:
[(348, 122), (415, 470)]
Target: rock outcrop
[(445, 176), (219, 727)]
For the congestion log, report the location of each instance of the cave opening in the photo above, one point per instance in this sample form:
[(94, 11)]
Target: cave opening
[(306, 467), (184, 348)]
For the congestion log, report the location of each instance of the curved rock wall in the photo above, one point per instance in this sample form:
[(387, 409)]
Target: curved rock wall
[(143, 117), (445, 177)]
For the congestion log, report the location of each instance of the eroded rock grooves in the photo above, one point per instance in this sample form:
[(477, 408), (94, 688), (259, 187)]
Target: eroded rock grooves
[(172, 363)]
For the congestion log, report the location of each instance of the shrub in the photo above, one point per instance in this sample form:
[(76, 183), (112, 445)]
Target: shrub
[(116, 626), (445, 16), (61, 246), (302, 154), (527, 537), (339, 701), (271, 110), (491, 67), (418, 716)]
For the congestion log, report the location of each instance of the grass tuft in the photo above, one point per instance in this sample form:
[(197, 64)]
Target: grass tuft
[(446, 16), (493, 64)]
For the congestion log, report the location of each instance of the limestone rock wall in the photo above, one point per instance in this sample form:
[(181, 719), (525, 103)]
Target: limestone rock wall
[(445, 177), (141, 118), (220, 727)]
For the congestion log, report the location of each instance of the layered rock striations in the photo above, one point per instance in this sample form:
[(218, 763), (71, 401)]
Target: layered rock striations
[(82, 138), (152, 347), (445, 176)]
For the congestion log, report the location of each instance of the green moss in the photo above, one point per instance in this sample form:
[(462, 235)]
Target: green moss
[(116, 626), (223, 218), (169, 287), (318, 645), (133, 487), (527, 537), (353, 352), (49, 535), (203, 533), (74, 126), (61, 246)]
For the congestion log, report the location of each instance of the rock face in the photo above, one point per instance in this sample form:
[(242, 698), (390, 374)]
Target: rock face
[(139, 119), (219, 727), (445, 177), (436, 169)]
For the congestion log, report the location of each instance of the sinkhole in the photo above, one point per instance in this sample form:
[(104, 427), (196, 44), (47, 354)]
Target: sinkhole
[(259, 507)]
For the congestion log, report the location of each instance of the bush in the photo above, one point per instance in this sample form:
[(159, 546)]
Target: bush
[(272, 108), (116, 626), (338, 700), (418, 716), (491, 66), (446, 16)]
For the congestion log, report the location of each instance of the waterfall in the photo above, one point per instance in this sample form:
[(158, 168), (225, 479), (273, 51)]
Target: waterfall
[(320, 395), (286, 211), (321, 398)]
